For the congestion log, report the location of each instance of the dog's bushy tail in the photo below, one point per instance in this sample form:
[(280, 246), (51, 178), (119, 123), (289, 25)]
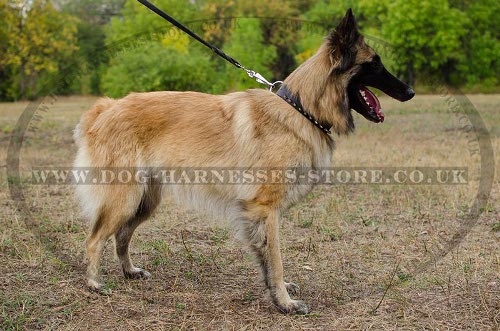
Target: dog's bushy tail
[(88, 119), (88, 195)]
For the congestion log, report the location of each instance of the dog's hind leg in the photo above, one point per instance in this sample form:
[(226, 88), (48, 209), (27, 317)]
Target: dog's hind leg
[(148, 204), (105, 225), (117, 205), (260, 229)]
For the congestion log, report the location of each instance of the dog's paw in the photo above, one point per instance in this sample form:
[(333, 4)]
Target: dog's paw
[(292, 288), (294, 307), (136, 273), (298, 307), (97, 287)]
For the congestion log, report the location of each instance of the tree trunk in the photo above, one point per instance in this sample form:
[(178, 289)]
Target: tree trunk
[(22, 80), (410, 74)]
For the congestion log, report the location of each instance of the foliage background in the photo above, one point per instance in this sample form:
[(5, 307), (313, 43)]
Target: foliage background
[(114, 47)]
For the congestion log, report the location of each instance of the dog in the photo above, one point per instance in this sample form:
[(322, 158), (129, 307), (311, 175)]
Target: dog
[(248, 129)]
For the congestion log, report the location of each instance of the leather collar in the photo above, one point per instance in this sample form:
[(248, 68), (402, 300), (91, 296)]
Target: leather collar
[(294, 101)]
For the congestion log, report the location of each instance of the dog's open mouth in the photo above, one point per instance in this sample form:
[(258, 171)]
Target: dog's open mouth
[(366, 103)]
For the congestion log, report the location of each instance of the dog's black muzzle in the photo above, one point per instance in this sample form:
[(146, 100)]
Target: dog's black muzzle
[(390, 85)]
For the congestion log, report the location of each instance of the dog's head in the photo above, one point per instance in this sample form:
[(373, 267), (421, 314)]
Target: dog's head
[(355, 65)]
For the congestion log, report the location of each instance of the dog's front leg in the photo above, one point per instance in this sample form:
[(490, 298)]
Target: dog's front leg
[(261, 231)]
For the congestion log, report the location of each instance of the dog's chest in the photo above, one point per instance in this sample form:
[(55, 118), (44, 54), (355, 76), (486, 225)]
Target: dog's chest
[(307, 176)]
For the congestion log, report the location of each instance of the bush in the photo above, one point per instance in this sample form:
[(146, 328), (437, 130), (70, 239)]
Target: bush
[(156, 67)]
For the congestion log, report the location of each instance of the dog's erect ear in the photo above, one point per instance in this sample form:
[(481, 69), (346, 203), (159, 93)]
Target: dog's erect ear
[(347, 30), (342, 40)]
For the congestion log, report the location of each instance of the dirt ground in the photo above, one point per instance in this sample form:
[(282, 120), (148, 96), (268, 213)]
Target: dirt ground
[(364, 256)]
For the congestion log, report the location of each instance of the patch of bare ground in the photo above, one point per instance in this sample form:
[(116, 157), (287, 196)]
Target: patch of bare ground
[(356, 251)]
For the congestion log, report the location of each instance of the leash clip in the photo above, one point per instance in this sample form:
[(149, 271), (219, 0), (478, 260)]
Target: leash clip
[(260, 79)]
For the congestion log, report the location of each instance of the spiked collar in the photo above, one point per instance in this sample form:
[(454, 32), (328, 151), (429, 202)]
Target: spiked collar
[(294, 101)]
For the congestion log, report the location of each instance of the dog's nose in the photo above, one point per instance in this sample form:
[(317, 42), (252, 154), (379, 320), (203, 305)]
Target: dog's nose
[(410, 93)]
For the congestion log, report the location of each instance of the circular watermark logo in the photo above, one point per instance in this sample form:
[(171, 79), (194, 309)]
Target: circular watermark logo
[(472, 127)]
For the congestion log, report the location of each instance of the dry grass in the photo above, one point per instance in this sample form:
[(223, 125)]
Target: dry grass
[(349, 238)]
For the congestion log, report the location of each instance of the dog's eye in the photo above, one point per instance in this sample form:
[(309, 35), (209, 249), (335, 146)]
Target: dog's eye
[(375, 64)]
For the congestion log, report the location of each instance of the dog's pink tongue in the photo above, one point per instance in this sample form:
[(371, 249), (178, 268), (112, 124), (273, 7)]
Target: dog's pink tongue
[(373, 103)]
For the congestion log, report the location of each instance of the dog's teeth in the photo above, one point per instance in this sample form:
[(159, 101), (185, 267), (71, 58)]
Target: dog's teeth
[(362, 93)]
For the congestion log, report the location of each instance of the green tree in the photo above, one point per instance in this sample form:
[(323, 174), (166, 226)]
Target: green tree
[(247, 46), (95, 12), (425, 36), (154, 66), (91, 41), (37, 39), (480, 64), (219, 24), (136, 21), (280, 24), (149, 54), (7, 17)]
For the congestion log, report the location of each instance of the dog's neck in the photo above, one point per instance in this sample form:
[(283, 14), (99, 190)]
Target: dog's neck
[(321, 95), (294, 101)]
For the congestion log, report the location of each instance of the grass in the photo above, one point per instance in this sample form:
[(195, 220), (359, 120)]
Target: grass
[(353, 250)]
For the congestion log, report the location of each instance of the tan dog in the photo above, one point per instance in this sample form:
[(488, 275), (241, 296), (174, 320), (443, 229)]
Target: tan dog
[(250, 129)]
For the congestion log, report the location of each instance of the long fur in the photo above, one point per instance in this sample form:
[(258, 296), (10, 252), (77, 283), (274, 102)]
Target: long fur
[(254, 128)]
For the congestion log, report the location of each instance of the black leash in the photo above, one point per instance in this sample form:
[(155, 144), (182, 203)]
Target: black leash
[(189, 32), (283, 92)]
